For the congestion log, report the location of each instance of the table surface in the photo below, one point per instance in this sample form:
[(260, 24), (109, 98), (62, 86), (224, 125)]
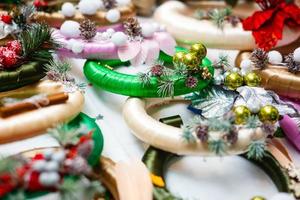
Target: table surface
[(214, 178)]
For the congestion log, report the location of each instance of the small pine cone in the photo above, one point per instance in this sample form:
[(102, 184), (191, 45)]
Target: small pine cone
[(206, 75), (77, 166), (292, 65), (259, 58), (132, 28), (157, 70), (232, 136), (87, 29), (202, 133), (233, 20), (109, 4), (191, 82)]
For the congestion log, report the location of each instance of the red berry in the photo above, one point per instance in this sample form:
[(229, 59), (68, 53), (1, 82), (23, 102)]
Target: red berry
[(6, 19), (33, 182), (39, 3), (10, 58), (15, 46)]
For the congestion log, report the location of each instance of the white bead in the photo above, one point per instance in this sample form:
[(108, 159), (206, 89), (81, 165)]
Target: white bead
[(70, 29), (274, 57), (147, 30), (119, 39), (68, 9), (58, 156), (77, 47), (49, 178), (113, 15), (52, 166), (39, 165), (235, 69), (87, 7), (110, 31), (297, 54), (283, 196), (218, 80), (123, 2)]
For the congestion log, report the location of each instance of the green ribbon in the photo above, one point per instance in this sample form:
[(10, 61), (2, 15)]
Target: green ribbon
[(157, 161), (100, 74), (25, 74)]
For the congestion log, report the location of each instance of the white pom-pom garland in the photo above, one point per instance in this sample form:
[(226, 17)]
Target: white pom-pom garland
[(68, 9), (246, 66), (148, 30), (119, 39), (70, 29), (275, 57), (113, 15), (87, 7), (297, 54)]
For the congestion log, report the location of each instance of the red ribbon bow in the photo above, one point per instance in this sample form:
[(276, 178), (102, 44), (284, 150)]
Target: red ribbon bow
[(267, 25)]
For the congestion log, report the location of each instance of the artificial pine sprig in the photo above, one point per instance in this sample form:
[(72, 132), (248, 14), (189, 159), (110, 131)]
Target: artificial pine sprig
[(22, 15), (217, 146), (256, 149), (37, 43)]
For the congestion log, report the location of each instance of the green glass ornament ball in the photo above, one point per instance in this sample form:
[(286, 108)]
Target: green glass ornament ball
[(258, 198), (179, 57), (242, 113), (191, 61), (199, 49), (252, 79), (233, 80), (268, 114)]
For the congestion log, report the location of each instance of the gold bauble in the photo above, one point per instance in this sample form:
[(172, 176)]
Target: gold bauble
[(242, 113), (179, 57), (191, 61), (252, 79), (199, 49), (268, 114), (258, 198), (233, 80)]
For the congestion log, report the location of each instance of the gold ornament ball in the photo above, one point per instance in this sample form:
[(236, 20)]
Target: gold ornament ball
[(252, 79), (258, 198), (179, 57), (268, 114), (199, 49), (233, 80), (242, 113), (191, 61)]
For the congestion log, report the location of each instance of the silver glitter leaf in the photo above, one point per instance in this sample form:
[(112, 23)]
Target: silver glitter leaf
[(213, 102)]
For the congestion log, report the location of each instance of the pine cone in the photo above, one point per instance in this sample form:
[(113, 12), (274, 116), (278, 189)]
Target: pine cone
[(202, 133), (87, 29), (259, 58), (232, 136), (157, 70), (132, 28), (109, 4), (292, 65)]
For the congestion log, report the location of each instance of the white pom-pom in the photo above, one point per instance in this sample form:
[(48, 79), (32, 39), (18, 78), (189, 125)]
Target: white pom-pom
[(283, 196), (105, 35), (123, 2), (39, 165), (275, 57), (254, 106), (119, 39), (77, 47), (70, 29), (235, 69), (68, 9), (246, 66), (297, 54), (148, 30), (156, 26), (49, 178), (113, 15), (110, 31), (58, 156), (52, 166), (97, 3), (87, 7)]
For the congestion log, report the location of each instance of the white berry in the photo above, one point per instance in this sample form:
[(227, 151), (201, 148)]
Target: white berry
[(58, 156), (68, 9), (97, 3), (77, 47), (113, 15), (218, 80), (297, 54), (282, 196), (235, 69), (110, 31), (274, 57), (52, 166), (119, 39), (123, 2), (87, 7), (39, 165), (70, 29), (49, 178), (105, 35), (148, 30)]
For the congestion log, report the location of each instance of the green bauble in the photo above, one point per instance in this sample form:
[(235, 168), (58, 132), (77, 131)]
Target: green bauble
[(233, 80), (191, 61), (199, 49), (252, 79), (268, 114), (242, 113), (258, 198)]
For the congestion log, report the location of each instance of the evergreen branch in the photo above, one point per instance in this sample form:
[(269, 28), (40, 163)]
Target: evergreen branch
[(256, 149), (9, 165), (144, 78), (252, 122), (217, 146), (218, 16), (166, 88), (187, 134)]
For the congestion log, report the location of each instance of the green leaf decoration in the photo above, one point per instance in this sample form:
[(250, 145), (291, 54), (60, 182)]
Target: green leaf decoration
[(213, 102), (256, 150)]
